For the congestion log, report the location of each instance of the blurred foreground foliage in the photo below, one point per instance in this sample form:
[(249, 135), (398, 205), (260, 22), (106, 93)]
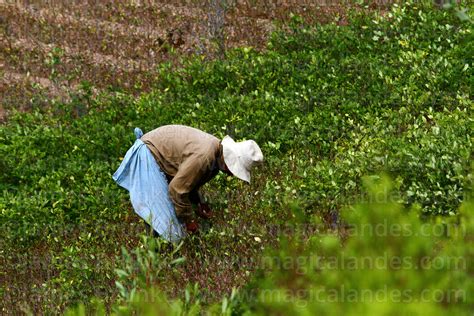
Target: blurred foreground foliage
[(389, 263)]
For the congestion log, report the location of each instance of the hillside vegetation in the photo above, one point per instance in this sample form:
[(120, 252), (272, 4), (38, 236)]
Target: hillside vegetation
[(48, 48), (367, 124)]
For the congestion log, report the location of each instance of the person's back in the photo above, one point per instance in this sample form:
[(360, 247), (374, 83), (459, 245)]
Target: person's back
[(173, 144)]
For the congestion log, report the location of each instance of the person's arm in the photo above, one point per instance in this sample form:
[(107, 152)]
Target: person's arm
[(203, 210), (183, 183), (196, 197)]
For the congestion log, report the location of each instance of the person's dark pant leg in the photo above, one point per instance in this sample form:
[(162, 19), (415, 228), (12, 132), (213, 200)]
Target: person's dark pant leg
[(150, 230)]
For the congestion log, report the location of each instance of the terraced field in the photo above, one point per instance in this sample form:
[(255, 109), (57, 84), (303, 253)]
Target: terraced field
[(364, 122), (48, 48)]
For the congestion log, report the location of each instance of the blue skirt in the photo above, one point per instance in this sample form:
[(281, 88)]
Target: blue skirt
[(141, 175)]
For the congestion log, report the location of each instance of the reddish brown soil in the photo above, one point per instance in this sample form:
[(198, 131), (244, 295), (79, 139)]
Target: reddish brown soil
[(120, 43)]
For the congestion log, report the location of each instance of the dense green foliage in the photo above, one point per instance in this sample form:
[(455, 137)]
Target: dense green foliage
[(328, 104), (392, 264)]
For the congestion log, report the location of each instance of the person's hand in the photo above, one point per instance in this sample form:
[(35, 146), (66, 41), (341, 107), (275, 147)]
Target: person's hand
[(204, 211), (192, 227)]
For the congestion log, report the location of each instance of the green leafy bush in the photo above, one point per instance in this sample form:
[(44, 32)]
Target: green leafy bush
[(328, 104), (389, 262)]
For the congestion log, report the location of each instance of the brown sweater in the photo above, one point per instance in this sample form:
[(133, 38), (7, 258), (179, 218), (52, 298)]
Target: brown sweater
[(189, 157)]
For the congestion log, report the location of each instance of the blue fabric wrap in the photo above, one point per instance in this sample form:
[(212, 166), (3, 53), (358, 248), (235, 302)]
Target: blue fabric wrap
[(141, 175)]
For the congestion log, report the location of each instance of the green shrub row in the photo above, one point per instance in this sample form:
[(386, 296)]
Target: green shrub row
[(328, 104)]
